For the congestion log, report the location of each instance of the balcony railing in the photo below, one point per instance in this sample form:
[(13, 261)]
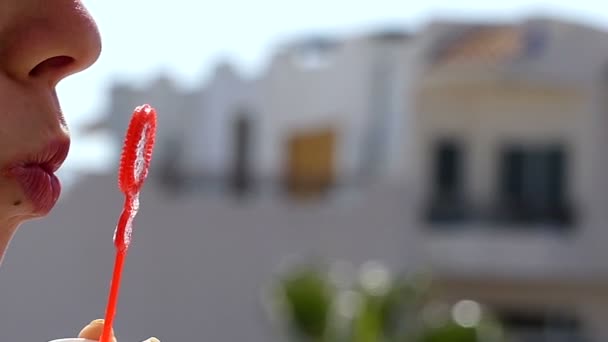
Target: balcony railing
[(533, 335), (456, 211)]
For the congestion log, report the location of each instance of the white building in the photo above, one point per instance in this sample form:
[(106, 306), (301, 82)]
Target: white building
[(332, 110), (353, 90)]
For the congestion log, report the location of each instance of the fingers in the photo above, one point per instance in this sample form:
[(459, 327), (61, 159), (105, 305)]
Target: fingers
[(93, 331)]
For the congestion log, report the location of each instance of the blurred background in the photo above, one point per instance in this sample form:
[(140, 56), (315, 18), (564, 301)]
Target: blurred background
[(334, 171)]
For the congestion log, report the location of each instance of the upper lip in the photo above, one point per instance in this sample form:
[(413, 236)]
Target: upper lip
[(49, 158)]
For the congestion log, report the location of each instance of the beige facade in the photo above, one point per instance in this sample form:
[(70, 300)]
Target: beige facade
[(531, 140)]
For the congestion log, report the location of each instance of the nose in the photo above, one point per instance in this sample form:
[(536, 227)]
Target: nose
[(50, 40)]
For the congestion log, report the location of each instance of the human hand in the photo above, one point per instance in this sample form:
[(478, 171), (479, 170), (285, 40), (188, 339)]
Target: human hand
[(94, 329)]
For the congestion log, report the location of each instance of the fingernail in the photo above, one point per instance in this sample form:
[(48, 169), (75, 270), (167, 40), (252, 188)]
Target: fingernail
[(152, 339), (97, 321)]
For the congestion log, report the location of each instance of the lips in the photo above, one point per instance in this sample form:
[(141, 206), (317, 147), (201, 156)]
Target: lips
[(36, 175)]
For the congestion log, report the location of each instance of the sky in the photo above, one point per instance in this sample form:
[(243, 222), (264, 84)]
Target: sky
[(185, 38)]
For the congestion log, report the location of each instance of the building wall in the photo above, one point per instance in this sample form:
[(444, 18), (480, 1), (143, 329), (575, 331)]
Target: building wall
[(208, 137), (301, 98), (346, 94), (486, 116), (483, 118), (521, 268), (197, 267)]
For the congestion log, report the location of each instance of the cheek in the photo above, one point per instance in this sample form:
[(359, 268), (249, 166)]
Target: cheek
[(13, 205), (20, 120), (13, 138)]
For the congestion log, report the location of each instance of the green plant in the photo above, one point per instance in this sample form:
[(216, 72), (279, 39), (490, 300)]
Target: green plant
[(319, 304)]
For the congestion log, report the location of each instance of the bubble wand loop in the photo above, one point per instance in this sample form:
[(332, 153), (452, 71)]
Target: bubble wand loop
[(132, 172)]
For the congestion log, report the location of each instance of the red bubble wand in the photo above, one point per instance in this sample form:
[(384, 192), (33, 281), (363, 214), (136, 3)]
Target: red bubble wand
[(132, 172)]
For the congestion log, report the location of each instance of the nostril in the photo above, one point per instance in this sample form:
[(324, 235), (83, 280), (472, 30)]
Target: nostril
[(53, 65)]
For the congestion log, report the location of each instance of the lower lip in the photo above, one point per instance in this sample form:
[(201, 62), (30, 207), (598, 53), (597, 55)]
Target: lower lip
[(42, 188)]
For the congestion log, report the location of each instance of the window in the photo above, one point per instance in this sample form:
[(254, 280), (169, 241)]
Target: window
[(241, 173), (447, 169), (532, 183), (170, 176), (527, 326), (447, 200)]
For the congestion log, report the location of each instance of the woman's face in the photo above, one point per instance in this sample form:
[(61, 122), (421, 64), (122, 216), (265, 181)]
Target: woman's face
[(41, 42)]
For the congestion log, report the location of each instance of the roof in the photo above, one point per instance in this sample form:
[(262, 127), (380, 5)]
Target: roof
[(489, 44)]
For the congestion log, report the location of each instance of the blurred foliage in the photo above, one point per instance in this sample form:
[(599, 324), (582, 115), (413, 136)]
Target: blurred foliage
[(341, 304), (308, 299)]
